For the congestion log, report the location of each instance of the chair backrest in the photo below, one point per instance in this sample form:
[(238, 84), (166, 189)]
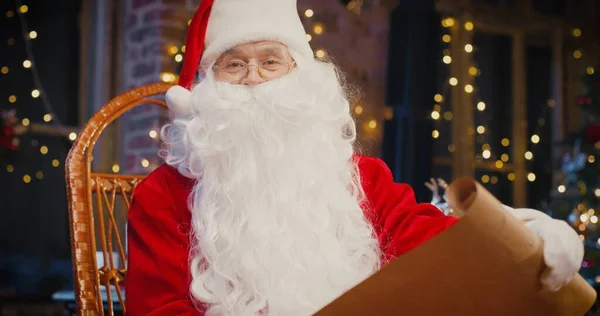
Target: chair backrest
[(92, 198)]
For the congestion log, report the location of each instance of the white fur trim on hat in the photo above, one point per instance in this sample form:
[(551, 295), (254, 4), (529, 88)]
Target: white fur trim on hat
[(235, 22)]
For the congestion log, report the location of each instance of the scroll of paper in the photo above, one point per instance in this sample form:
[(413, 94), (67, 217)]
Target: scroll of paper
[(487, 264)]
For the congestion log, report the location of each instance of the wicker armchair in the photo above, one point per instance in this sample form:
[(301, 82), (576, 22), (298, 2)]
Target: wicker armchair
[(92, 199)]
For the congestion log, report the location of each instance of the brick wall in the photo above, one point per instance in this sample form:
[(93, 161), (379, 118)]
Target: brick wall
[(358, 44), (151, 27)]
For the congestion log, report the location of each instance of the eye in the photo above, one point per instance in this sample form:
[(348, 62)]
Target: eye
[(271, 62), (234, 64)]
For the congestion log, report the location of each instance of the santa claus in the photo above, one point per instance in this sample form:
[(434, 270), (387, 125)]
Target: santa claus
[(263, 206)]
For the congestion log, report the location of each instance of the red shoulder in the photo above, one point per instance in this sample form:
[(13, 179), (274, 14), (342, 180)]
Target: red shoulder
[(165, 185)]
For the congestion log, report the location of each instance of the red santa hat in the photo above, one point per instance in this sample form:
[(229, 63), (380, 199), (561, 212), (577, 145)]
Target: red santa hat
[(220, 25)]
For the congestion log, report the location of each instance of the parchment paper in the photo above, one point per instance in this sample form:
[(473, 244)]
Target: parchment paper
[(487, 264)]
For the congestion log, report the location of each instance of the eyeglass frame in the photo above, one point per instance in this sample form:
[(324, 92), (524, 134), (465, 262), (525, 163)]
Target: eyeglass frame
[(289, 65)]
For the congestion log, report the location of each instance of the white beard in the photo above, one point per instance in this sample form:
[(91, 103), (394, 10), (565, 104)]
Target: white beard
[(276, 213)]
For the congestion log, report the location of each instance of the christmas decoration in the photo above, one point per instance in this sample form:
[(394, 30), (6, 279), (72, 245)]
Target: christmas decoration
[(10, 130), (439, 200), (577, 197)]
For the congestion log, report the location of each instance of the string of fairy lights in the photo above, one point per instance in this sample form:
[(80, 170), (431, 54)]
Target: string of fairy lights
[(38, 92), (484, 148)]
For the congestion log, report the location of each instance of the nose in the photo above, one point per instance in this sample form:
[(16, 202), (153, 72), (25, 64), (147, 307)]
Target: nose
[(253, 77)]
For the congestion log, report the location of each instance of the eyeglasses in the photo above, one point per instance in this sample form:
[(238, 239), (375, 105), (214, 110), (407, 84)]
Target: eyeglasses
[(268, 69)]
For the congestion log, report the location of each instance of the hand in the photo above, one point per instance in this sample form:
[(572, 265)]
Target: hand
[(563, 250), (179, 100)]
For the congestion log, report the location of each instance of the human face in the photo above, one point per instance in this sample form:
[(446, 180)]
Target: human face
[(254, 63)]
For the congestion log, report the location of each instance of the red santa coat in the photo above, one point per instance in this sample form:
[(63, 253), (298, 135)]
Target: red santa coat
[(159, 225)]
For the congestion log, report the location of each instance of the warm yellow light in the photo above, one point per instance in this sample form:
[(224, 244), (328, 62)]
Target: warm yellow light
[(189, 22), (44, 150), (481, 106), (32, 34), (486, 154), (4, 70), (562, 188), (23, 9), (447, 59), (172, 50), (577, 32), (469, 26), (453, 81), (505, 142), (435, 133), (25, 122), (320, 53), (591, 70), (448, 116), (581, 227), (594, 219), (528, 155), (12, 99), (55, 163), (473, 71), (145, 163), (485, 179), (577, 54), (308, 37), (583, 217), (183, 49), (35, 93), (535, 139), (446, 38), (178, 58), (449, 22), (309, 13), (494, 180), (480, 129), (499, 164), (531, 177), (591, 159), (47, 117), (597, 192), (468, 48), (10, 14), (505, 157), (438, 98), (469, 88), (358, 109), (451, 148), (26, 178), (435, 115), (153, 134), (388, 113), (72, 136), (116, 168), (372, 124), (486, 147), (27, 63), (511, 177), (39, 175), (168, 77), (318, 28), (10, 168)]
